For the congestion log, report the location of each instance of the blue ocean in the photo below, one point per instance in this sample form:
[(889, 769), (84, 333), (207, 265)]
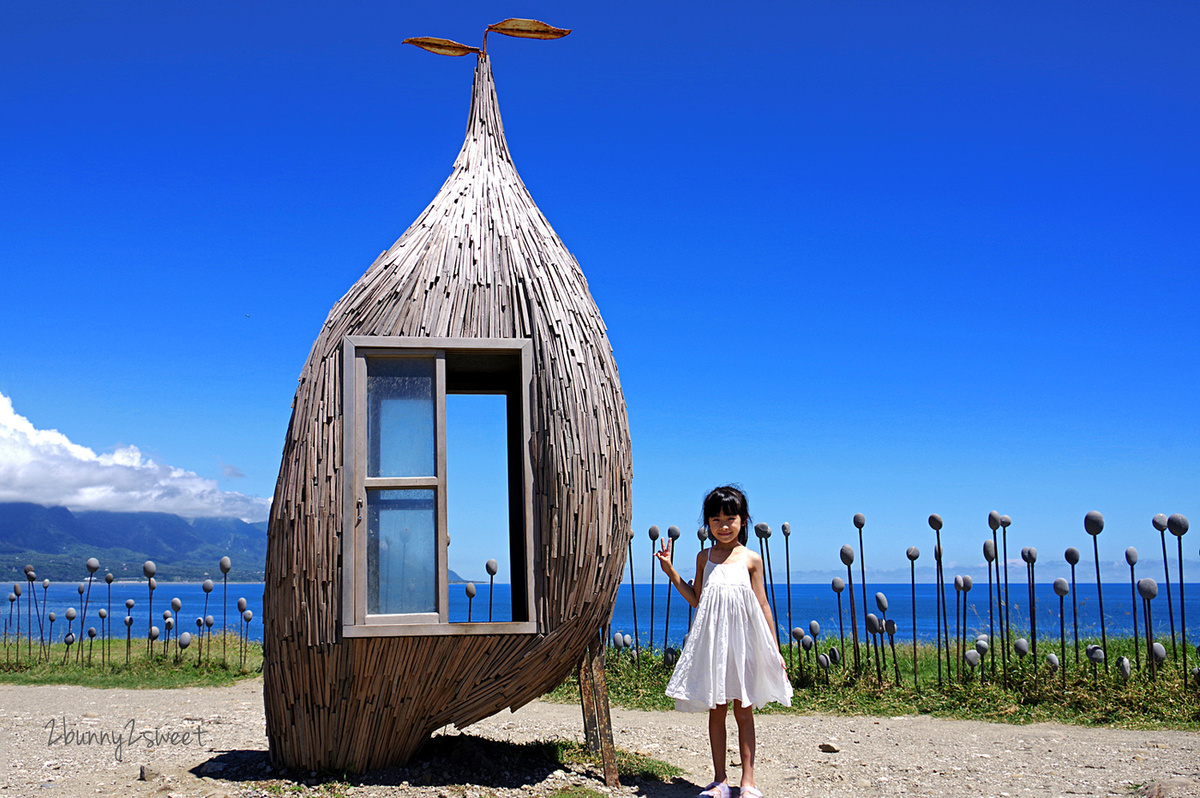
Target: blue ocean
[(670, 614)]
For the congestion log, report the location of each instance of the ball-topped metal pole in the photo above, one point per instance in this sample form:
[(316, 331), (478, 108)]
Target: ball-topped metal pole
[(1148, 589), (1030, 554), (149, 569), (1160, 523), (1060, 589), (225, 565), (847, 555), (1071, 555), (654, 535), (633, 597), (913, 553), (763, 530), (838, 585), (1131, 557), (492, 567), (860, 521), (941, 619), (1093, 524), (673, 533), (1177, 523), (786, 529), (92, 565), (989, 556), (1004, 521)]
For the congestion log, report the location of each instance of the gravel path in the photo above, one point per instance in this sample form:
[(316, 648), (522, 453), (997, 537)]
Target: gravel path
[(60, 741)]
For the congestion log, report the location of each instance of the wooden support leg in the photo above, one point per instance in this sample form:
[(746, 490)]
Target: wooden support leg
[(597, 722)]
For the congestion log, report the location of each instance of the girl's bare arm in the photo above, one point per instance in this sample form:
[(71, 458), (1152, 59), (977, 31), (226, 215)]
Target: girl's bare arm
[(690, 593)]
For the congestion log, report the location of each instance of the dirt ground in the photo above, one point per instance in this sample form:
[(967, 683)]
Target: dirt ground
[(62, 741)]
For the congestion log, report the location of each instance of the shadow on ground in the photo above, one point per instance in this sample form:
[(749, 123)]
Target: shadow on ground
[(453, 759)]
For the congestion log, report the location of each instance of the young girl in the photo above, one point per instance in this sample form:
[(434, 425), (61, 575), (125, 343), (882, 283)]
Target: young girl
[(731, 652)]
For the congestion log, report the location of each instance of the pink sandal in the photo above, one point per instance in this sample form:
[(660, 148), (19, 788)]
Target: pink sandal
[(718, 789), (750, 792)]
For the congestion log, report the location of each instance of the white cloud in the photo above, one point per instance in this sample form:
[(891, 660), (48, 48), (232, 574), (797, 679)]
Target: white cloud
[(45, 467)]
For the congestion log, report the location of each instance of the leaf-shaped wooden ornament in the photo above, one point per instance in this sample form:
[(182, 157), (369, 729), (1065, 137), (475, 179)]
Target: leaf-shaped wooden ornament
[(529, 29), (441, 46)]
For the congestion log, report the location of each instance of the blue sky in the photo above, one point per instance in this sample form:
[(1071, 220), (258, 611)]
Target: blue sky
[(890, 258)]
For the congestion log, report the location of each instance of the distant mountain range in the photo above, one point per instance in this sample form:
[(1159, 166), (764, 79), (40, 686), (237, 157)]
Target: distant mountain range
[(58, 543)]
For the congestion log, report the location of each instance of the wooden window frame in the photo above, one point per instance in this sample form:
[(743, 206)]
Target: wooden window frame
[(355, 620)]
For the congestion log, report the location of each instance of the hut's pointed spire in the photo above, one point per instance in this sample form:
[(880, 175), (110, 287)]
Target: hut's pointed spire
[(485, 130)]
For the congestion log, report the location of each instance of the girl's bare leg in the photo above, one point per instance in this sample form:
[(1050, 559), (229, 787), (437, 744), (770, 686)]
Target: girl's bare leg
[(716, 739), (746, 743)]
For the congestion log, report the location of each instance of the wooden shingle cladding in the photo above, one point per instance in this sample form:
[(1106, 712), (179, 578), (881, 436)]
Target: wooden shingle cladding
[(481, 261)]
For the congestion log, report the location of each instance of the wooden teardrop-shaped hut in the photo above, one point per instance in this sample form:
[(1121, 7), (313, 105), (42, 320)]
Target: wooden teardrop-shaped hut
[(361, 661)]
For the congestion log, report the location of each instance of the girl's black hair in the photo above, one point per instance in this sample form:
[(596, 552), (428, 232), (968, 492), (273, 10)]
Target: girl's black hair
[(727, 500)]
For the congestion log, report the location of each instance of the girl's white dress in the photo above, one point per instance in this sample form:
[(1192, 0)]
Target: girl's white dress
[(730, 652)]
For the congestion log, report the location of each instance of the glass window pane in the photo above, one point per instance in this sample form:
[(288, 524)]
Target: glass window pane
[(401, 551), (400, 415)]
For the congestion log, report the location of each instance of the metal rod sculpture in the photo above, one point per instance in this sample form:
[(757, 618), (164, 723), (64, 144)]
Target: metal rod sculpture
[(149, 569), (177, 607), (994, 525), (12, 598), (92, 565), (1093, 524), (1004, 522), (968, 583), (225, 565), (1148, 590), (673, 534), (29, 604), (633, 597), (860, 521), (982, 643), (889, 626), (763, 531), (128, 629), (654, 536), (838, 586), (247, 616), (1160, 523), (941, 620), (185, 640), (492, 567), (199, 640), (1030, 555), (103, 613), (70, 638), (798, 635), (766, 538), (786, 529), (1178, 524), (17, 591), (50, 634), (243, 631), (108, 580), (871, 627), (958, 604), (1060, 589), (913, 553), (1072, 557), (847, 555), (989, 555), (881, 603), (1131, 557), (45, 608)]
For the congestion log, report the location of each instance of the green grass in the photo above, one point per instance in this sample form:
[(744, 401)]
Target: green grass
[(1032, 695), (142, 671)]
